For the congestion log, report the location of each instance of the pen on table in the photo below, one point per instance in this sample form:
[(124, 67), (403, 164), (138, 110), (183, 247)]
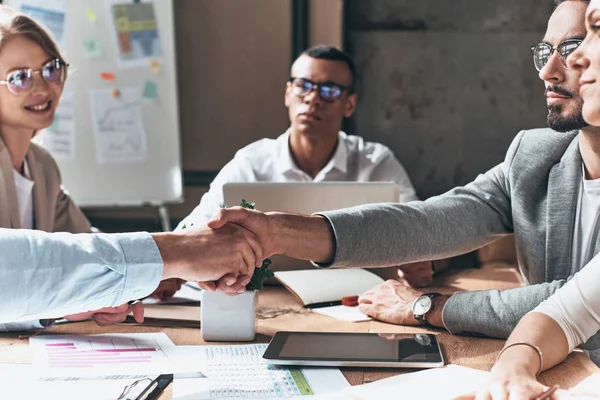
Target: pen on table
[(349, 301), (324, 304), (156, 387), (548, 393)]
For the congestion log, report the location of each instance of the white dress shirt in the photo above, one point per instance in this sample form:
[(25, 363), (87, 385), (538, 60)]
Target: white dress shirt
[(270, 160), (49, 275), (24, 187)]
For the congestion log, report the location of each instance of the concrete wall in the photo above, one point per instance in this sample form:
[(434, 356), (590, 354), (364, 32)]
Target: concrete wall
[(446, 85)]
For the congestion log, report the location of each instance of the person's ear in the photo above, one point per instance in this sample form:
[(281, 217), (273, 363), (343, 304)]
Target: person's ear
[(350, 105), (288, 93)]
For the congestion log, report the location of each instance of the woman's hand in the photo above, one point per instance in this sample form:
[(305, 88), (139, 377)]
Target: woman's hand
[(511, 383)]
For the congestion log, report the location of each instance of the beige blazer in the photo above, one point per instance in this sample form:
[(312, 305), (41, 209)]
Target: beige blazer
[(54, 210)]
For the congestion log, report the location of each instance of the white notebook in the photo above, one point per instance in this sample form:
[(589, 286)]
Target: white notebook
[(327, 287)]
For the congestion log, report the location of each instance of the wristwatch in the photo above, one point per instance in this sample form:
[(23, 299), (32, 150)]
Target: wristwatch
[(422, 305)]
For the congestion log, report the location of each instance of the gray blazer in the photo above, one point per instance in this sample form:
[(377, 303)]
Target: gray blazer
[(532, 194)]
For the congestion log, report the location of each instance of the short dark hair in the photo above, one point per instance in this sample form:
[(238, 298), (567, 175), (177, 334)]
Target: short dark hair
[(327, 52), (559, 2)]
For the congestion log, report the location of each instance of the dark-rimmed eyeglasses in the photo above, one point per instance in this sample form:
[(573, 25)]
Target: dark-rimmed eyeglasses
[(22, 80), (543, 51), (328, 91)]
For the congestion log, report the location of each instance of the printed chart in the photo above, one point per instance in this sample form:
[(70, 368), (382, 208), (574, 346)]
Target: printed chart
[(101, 355)]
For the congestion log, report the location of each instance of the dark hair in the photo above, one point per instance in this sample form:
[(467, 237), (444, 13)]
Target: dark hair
[(559, 2), (327, 52)]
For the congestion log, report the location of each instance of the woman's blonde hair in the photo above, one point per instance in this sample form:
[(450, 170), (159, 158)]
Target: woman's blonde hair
[(13, 23)]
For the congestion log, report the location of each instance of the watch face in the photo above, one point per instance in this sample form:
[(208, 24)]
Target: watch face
[(421, 305)]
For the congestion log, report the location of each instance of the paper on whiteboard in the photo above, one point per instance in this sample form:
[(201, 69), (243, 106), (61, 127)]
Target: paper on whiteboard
[(51, 14), (59, 139), (135, 31), (118, 126)]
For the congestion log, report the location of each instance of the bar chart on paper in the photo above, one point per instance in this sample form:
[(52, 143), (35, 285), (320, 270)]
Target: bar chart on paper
[(102, 355)]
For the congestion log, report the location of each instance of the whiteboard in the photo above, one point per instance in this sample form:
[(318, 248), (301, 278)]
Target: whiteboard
[(114, 150)]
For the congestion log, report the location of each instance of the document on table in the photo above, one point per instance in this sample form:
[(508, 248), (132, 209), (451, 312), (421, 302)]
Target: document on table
[(443, 383), (106, 355), (346, 313), (239, 372)]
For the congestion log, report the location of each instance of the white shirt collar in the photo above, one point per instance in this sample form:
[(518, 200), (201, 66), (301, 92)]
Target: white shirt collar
[(285, 161)]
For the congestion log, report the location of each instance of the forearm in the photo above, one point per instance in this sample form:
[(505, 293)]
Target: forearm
[(395, 234), (494, 313), (303, 237), (538, 330), (48, 275)]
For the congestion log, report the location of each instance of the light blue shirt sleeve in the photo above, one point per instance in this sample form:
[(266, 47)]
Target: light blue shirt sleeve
[(21, 326), (50, 275)]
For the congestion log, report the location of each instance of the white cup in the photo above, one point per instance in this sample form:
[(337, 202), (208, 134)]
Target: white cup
[(226, 318)]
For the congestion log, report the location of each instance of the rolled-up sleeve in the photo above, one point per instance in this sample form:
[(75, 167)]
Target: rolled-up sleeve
[(576, 306), (49, 275)]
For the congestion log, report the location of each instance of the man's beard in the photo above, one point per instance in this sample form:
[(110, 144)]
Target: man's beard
[(558, 122), (564, 123)]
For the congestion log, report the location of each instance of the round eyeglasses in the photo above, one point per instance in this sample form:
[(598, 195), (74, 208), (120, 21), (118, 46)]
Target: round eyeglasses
[(328, 91), (543, 51), (22, 80)]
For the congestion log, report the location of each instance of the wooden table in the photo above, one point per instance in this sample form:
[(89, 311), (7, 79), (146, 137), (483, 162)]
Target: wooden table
[(279, 310)]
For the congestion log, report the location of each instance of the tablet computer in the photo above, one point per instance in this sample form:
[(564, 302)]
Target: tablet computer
[(328, 349)]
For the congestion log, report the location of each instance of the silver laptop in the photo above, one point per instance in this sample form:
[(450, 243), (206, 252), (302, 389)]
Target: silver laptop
[(308, 198)]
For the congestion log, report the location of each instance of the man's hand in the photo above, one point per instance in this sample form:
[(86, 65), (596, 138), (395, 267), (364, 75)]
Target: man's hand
[(417, 274), (167, 288), (253, 220), (205, 255), (306, 237), (392, 302), (111, 315)]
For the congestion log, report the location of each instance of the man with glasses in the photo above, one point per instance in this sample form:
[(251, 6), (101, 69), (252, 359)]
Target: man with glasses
[(319, 95), (546, 192)]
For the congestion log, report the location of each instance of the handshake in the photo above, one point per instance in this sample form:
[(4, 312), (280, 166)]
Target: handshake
[(224, 254)]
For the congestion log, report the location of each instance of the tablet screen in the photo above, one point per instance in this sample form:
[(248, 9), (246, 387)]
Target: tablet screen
[(354, 347)]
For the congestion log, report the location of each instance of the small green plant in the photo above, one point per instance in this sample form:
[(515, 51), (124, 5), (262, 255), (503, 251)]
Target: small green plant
[(262, 273)]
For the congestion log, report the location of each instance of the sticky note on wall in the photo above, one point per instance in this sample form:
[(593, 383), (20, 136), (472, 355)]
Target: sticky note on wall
[(91, 15), (154, 65), (92, 47), (107, 76), (150, 90)]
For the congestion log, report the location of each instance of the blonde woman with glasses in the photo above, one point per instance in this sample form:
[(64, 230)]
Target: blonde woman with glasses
[(33, 74)]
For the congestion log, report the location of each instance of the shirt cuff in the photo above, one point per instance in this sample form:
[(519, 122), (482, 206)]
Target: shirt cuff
[(144, 266), (22, 326)]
